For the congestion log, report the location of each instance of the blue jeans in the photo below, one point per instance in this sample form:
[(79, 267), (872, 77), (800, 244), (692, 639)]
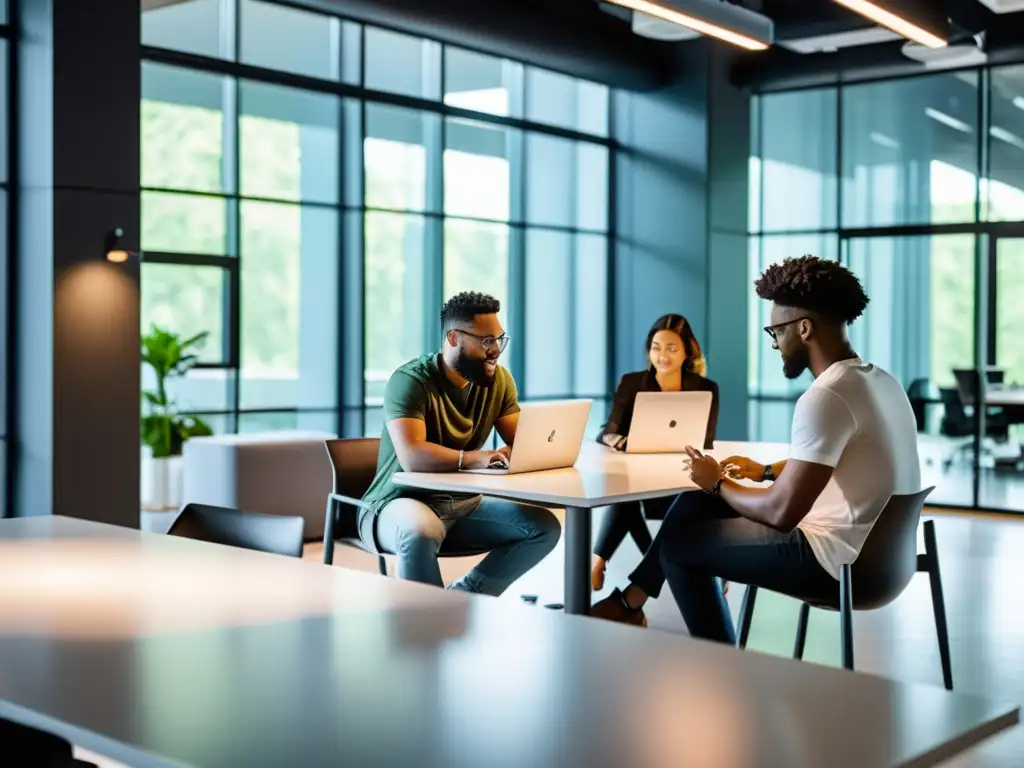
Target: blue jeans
[(516, 537), (703, 538)]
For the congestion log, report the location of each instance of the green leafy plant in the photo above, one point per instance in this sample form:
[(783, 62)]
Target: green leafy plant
[(170, 356)]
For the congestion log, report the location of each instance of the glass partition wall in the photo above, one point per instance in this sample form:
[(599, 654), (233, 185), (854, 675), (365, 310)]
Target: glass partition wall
[(314, 188), (917, 185)]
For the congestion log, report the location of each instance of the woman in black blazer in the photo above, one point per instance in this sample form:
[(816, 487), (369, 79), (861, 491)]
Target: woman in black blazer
[(675, 364)]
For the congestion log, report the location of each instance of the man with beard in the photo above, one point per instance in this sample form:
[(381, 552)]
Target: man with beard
[(854, 427), (439, 411)]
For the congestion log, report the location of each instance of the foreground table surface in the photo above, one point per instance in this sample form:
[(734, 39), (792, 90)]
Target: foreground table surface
[(158, 651), (600, 477)]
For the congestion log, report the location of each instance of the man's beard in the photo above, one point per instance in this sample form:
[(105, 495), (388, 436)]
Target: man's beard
[(472, 370), (794, 365)]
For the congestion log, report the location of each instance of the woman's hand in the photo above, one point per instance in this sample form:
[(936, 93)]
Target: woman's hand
[(742, 468)]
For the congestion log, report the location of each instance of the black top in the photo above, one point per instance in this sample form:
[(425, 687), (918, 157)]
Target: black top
[(644, 381)]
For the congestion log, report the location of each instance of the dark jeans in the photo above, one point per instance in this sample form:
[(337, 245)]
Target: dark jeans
[(703, 538), (630, 517)]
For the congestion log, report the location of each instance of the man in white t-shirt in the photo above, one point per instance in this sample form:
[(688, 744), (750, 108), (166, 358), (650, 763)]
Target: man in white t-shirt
[(854, 445)]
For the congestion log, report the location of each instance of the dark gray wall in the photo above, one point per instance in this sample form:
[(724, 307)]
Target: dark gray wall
[(728, 281), (77, 317), (681, 207), (661, 207)]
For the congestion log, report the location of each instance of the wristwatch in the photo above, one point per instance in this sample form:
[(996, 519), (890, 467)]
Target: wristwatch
[(768, 475)]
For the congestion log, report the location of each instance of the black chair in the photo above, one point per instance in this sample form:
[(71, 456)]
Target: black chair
[(957, 422), (22, 745), (887, 562), (275, 534), (354, 463)]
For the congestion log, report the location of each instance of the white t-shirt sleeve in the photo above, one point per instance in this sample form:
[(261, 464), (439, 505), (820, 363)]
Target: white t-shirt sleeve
[(822, 426)]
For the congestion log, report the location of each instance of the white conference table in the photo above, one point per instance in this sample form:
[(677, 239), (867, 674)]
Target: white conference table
[(600, 477), (157, 651)]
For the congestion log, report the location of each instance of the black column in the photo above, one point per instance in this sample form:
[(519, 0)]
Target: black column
[(77, 317)]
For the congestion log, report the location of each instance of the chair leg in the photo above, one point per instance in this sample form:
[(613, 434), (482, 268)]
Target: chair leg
[(938, 602), (846, 614), (746, 616), (801, 631), (329, 532), (382, 565)]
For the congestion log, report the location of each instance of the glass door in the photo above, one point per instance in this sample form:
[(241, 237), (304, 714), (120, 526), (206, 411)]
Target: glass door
[(1001, 459)]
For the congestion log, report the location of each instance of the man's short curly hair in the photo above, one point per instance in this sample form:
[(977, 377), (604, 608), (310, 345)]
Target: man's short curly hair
[(817, 285), (463, 307)]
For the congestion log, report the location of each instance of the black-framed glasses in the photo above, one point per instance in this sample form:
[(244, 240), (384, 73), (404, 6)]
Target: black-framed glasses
[(773, 330), (488, 342)]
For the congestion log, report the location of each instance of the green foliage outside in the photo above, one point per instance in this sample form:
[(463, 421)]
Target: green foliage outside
[(181, 149)]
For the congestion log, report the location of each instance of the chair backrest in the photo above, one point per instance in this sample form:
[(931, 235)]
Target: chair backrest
[(888, 559), (968, 385), (354, 461), (955, 421), (276, 534)]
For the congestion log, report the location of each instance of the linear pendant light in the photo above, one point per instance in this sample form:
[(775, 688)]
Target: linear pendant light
[(897, 24), (705, 22)]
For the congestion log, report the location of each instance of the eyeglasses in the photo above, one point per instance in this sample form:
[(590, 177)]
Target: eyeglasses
[(488, 342), (773, 330)]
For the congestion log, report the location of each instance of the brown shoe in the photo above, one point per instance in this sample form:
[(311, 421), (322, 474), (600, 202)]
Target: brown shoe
[(614, 608)]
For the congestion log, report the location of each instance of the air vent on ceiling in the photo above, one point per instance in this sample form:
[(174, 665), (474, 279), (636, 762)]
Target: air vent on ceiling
[(657, 29), (832, 43), (961, 54)]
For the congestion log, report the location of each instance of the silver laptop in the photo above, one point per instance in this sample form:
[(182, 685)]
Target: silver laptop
[(667, 422), (549, 436)]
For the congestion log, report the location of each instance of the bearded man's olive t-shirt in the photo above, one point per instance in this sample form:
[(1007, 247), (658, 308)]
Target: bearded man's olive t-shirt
[(460, 419)]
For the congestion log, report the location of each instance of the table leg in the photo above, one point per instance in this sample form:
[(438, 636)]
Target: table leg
[(577, 560)]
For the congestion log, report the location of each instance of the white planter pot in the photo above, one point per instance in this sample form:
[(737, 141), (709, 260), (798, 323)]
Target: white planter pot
[(162, 482)]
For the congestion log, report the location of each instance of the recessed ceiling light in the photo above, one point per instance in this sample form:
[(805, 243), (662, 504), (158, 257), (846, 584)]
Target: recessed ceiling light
[(1018, 102)]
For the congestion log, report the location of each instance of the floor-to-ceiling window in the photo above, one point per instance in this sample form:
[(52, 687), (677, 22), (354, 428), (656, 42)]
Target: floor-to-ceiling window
[(917, 185), (314, 188)]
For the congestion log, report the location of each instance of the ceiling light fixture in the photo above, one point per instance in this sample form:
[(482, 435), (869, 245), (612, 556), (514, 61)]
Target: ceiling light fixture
[(723, 21), (1018, 102), (896, 23)]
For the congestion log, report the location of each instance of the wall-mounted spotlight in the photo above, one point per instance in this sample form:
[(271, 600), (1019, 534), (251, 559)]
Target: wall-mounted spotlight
[(114, 251)]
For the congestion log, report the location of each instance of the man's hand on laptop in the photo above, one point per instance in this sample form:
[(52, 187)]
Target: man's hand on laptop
[(742, 468), (506, 451), (485, 460)]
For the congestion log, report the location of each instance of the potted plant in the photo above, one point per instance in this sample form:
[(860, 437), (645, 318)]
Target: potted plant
[(165, 429)]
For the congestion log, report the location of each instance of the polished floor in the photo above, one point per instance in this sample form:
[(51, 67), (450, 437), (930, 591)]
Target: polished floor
[(954, 485)]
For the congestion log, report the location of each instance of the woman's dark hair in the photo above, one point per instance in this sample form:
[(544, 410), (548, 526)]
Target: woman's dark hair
[(680, 326), (816, 285)]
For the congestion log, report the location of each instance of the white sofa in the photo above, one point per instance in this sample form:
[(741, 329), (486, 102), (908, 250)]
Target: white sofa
[(279, 473)]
